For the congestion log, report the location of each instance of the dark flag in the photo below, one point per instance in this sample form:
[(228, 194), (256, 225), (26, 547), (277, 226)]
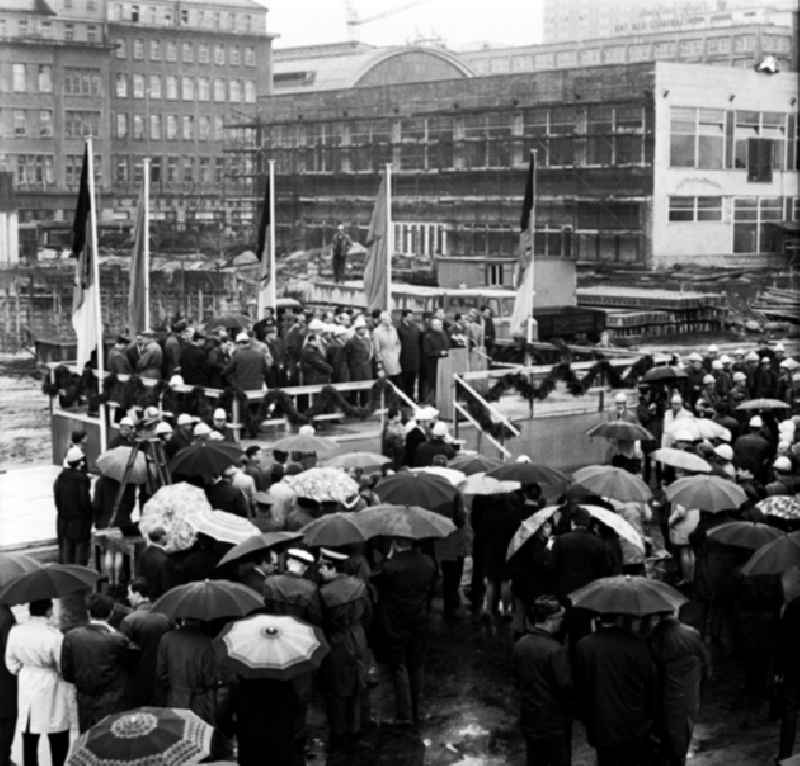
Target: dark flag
[(81, 211), (527, 202), (263, 224)]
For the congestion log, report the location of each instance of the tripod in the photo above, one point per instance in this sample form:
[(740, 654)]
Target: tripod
[(157, 471)]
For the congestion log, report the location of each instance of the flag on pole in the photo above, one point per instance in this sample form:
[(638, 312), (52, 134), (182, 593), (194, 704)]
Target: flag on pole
[(523, 301), (376, 276), (85, 290), (263, 249), (137, 287)]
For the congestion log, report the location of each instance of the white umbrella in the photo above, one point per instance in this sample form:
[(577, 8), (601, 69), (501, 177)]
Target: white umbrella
[(481, 484), (223, 526), (529, 528)]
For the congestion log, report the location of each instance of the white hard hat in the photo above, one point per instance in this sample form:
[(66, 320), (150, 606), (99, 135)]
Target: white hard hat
[(752, 356), (708, 379), (163, 428), (202, 429), (305, 431), (219, 413), (315, 325), (724, 451), (126, 421), (439, 428), (523, 459), (739, 352), (713, 349), (694, 357), (184, 419), (716, 364), (214, 436), (298, 554), (725, 359), (242, 337), (176, 380), (782, 464), (756, 421), (74, 454), (779, 346), (765, 360), (620, 398), (739, 376), (360, 322), (676, 398)]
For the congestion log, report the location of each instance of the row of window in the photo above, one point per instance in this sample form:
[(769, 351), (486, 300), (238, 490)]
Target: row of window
[(59, 30), (718, 138), (174, 88), (170, 170), (27, 78), (171, 127), (158, 50), (162, 15), (36, 170), (38, 123)]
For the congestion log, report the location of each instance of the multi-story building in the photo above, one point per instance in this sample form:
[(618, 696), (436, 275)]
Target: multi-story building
[(622, 151)]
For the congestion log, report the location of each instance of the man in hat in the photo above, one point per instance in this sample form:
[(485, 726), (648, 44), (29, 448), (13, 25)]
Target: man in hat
[(751, 369), (544, 680), (340, 244), (709, 393), (248, 368), (251, 465), (752, 451), (778, 356), (223, 496), (117, 362), (435, 345), (219, 422), (201, 433), (404, 585), (711, 355), (783, 483), (694, 375), (410, 353), (675, 412), (73, 510), (722, 462), (295, 339), (151, 358), (292, 592), (360, 354), (194, 361), (738, 392), (346, 608), (135, 350), (173, 346), (276, 376), (425, 453), (624, 452), (126, 436), (181, 436)]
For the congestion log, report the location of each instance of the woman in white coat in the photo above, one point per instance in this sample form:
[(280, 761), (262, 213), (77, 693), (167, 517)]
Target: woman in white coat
[(33, 653)]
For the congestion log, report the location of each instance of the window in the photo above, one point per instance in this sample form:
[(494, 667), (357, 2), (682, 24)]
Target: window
[(121, 170), (135, 13), (236, 56), (138, 171), (188, 127), (69, 31), (187, 89), (138, 127), (121, 50), (219, 89), (219, 170), (188, 170), (235, 91), (697, 137), (184, 16), (249, 91), (171, 51), (204, 128), (638, 53), (744, 43), (81, 124), (219, 131), (600, 142), (760, 140), (614, 55), (138, 86), (755, 222), (203, 56), (219, 55), (203, 89), (120, 85), (695, 209), (691, 48), (82, 82), (709, 208), (172, 87), (155, 50), (18, 78), (45, 78), (45, 123), (172, 170), (172, 127), (249, 56), (121, 125), (155, 127), (718, 45), (20, 123), (796, 209), (187, 53), (204, 170), (138, 50), (589, 56), (155, 86), (152, 15)]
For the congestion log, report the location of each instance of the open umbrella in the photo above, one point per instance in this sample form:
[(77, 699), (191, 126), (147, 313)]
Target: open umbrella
[(229, 321), (324, 485), (13, 565), (708, 493), (209, 600), (709, 429), (684, 430), (206, 459), (617, 523), (302, 443), (621, 430), (625, 594), (48, 581), (780, 506), (609, 481), (774, 558), (112, 463), (358, 460), (531, 473), (663, 373), (455, 477), (256, 543), (333, 530), (679, 458), (223, 526), (763, 404), (470, 464), (529, 528), (420, 489), (744, 534), (403, 521), (271, 646), (144, 736), (481, 484)]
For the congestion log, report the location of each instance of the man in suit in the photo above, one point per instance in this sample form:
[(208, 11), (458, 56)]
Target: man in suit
[(247, 370), (73, 510), (194, 361), (435, 344), (360, 354), (410, 353), (151, 357), (154, 565)]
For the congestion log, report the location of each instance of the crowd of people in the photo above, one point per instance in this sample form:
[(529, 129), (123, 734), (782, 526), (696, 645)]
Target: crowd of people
[(306, 348), (634, 683)]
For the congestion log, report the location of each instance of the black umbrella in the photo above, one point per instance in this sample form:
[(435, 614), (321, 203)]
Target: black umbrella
[(256, 543), (208, 600), (207, 459), (425, 490), (48, 581), (530, 473), (655, 374)]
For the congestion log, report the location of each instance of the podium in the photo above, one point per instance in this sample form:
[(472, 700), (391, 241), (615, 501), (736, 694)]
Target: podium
[(458, 360)]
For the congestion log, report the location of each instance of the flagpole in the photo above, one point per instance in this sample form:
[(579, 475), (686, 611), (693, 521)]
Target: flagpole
[(531, 234), (98, 316), (146, 243), (389, 237), (273, 288)]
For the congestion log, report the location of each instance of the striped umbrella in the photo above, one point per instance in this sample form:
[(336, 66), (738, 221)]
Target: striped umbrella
[(13, 565), (271, 646), (708, 493), (403, 521)]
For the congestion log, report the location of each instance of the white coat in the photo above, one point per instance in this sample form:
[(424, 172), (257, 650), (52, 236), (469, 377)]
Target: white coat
[(33, 653), (387, 348), (667, 439)]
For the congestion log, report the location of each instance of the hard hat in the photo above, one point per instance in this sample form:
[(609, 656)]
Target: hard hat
[(214, 436), (725, 359), (219, 413), (716, 364), (184, 419), (713, 349), (315, 325), (202, 429), (739, 377), (360, 322), (163, 428), (176, 380), (439, 429), (305, 431), (724, 451), (779, 346), (752, 356), (695, 357), (708, 379), (74, 454), (782, 464), (620, 398), (756, 422), (242, 337), (298, 554), (126, 421)]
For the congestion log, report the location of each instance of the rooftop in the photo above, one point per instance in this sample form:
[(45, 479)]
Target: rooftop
[(38, 7)]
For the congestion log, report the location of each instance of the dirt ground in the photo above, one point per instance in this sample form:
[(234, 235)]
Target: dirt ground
[(470, 702)]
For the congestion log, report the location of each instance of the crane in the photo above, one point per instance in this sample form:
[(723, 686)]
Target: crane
[(353, 20)]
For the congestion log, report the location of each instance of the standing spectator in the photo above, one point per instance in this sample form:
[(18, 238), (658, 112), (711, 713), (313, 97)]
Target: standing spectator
[(765, 381), (682, 664), (753, 452), (155, 566), (181, 436), (579, 557), (489, 335), (219, 423), (33, 654), (435, 345), (624, 451), (410, 353), (404, 586), (544, 679), (388, 348), (314, 368), (247, 369), (194, 361), (217, 359), (135, 350), (651, 416), (675, 412), (450, 554), (151, 357), (276, 376), (8, 689), (73, 510), (694, 376), (173, 346), (340, 244), (251, 464), (335, 342), (787, 662), (97, 659), (118, 362), (360, 354), (436, 445), (144, 628), (223, 496), (393, 439), (615, 686)]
